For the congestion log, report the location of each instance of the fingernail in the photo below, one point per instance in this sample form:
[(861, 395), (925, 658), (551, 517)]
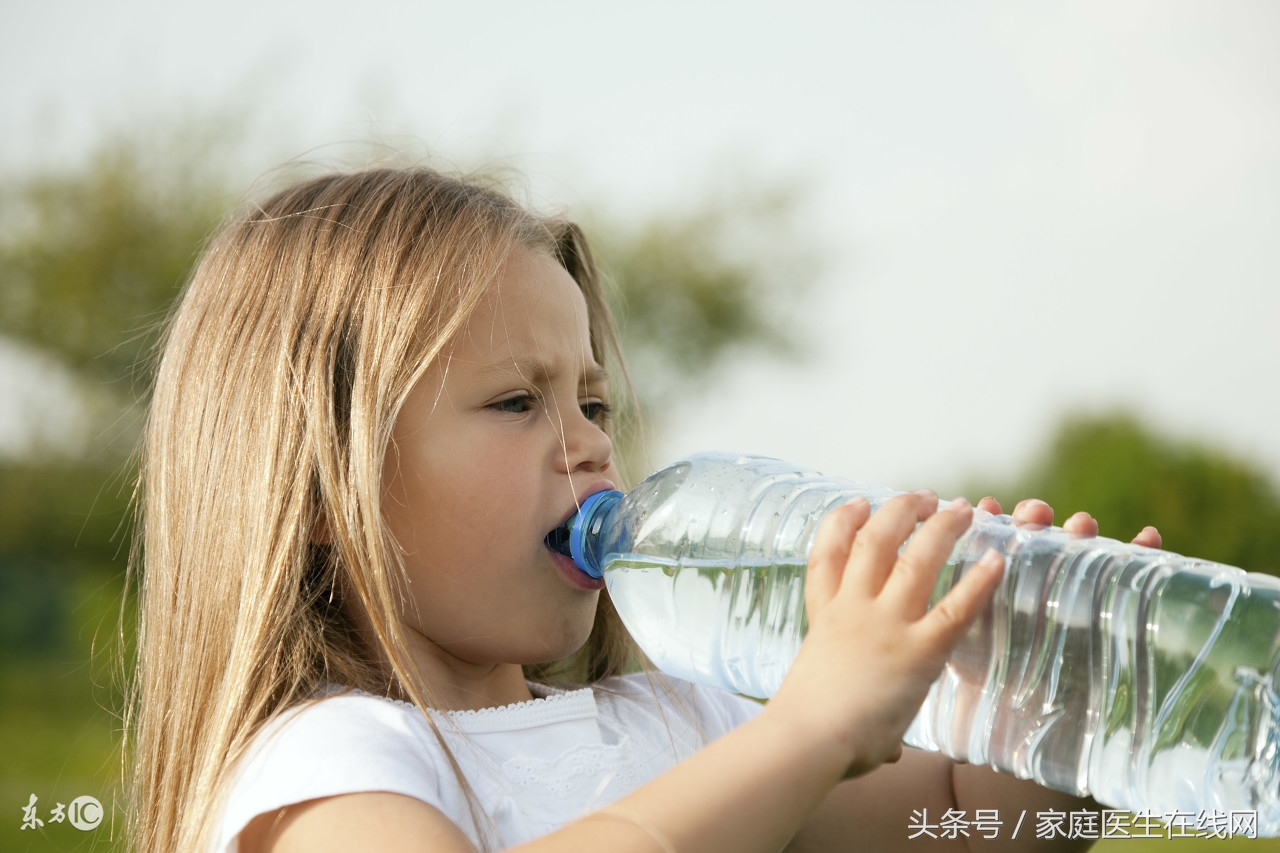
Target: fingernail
[(958, 503)]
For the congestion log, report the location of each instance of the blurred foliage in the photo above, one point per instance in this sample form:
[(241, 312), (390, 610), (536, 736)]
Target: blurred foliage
[(90, 257), (63, 520), (694, 287), (1205, 503), (60, 507)]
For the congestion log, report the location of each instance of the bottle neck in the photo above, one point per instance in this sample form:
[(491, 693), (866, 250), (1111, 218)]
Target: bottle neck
[(587, 530)]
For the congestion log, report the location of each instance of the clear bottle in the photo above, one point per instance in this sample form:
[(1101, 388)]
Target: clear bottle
[(1142, 678)]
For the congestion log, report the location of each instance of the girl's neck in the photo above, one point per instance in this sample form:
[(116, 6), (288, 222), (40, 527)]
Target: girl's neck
[(449, 683), (504, 685), (456, 685)]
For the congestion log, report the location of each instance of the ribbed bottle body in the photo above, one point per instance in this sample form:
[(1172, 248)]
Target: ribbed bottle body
[(1143, 678)]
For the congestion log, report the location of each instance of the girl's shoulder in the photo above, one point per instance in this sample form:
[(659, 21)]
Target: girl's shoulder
[(356, 729), (349, 723), (338, 742)]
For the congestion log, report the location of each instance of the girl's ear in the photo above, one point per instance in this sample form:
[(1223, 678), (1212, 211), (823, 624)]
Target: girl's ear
[(321, 534)]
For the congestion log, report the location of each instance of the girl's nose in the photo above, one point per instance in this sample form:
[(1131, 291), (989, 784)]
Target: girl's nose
[(587, 447)]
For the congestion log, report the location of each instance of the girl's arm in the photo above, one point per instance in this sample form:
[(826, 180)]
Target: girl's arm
[(871, 653), (904, 806)]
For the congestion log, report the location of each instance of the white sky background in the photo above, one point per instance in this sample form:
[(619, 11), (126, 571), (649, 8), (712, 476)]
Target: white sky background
[(1028, 209)]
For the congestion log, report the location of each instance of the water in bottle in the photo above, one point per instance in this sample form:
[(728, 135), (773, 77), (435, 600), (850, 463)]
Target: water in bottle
[(1143, 678)]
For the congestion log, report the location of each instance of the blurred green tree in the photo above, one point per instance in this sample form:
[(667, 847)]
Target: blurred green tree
[(695, 286), (1205, 502), (90, 257)]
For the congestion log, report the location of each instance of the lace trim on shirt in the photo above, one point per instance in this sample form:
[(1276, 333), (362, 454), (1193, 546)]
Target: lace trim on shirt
[(549, 695), (547, 705)]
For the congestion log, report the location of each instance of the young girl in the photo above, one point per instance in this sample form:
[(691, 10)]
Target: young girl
[(378, 394)]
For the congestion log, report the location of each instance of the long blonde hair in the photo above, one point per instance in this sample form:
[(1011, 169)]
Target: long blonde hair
[(285, 362)]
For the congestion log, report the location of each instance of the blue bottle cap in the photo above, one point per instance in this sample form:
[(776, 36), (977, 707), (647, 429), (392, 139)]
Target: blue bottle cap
[(589, 519)]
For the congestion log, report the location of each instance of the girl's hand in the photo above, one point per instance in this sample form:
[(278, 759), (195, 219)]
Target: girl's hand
[(873, 649), (1039, 513)]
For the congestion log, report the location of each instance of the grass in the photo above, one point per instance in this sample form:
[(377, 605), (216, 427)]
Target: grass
[(59, 729)]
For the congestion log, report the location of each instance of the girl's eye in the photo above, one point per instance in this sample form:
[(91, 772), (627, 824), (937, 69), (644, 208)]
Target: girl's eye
[(516, 405), (596, 411)]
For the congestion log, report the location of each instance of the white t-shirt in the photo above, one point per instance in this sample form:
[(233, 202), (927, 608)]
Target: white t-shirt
[(534, 766)]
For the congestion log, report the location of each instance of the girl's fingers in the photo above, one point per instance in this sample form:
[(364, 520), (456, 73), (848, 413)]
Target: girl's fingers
[(830, 552), (875, 549), (911, 584), (951, 616), (1033, 511), (1149, 537), (1081, 524), (1039, 513)]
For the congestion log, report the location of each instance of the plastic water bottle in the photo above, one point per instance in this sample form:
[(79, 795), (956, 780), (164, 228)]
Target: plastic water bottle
[(1142, 678)]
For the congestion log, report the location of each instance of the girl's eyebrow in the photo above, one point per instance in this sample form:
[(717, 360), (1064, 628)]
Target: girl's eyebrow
[(538, 372)]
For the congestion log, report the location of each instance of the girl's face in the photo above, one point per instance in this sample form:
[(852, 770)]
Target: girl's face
[(497, 445)]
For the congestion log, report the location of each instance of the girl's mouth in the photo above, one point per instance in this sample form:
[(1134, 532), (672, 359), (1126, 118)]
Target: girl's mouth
[(574, 575), (558, 540)]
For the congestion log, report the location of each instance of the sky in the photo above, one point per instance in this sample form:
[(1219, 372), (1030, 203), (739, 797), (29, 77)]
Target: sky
[(1026, 210)]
